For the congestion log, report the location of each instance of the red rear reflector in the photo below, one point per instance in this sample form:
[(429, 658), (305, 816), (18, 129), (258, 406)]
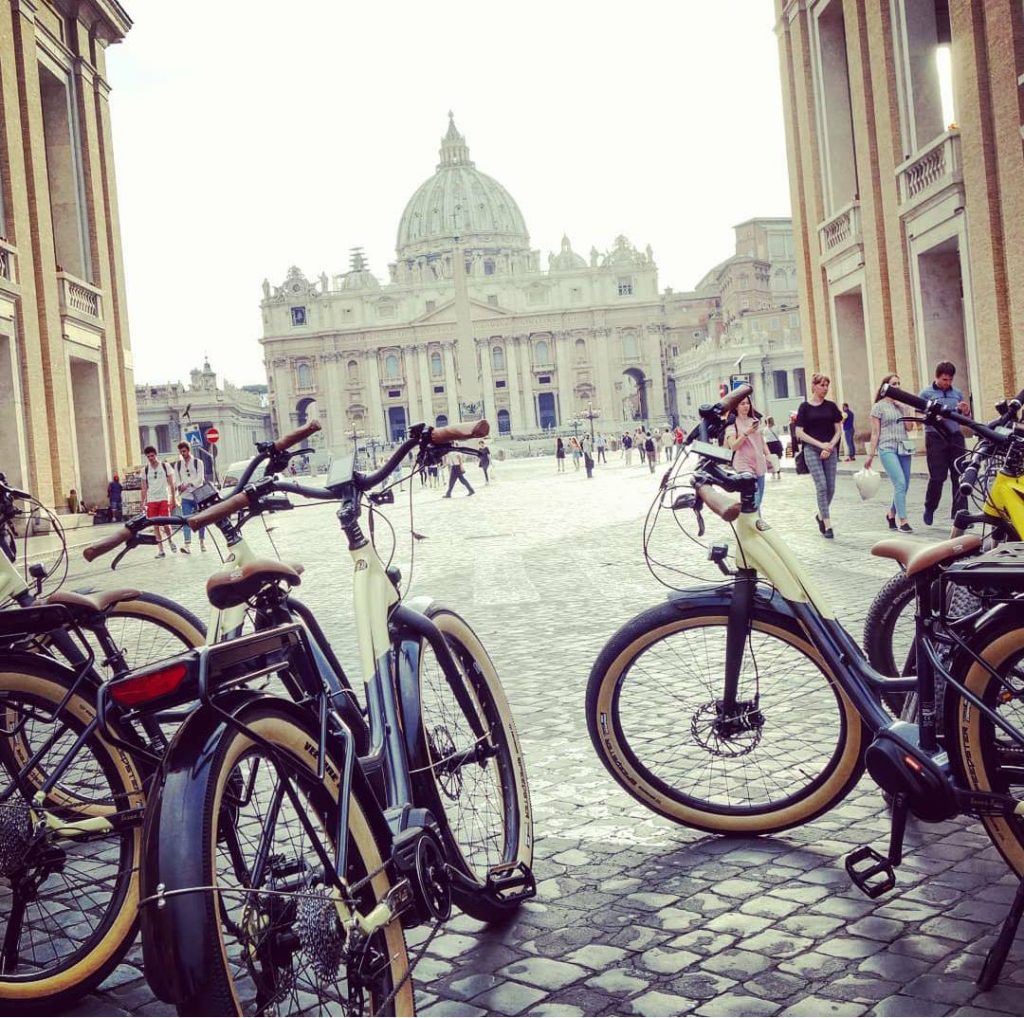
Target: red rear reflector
[(138, 689), (914, 765)]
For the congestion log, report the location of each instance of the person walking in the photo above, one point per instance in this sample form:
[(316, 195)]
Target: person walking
[(749, 449), (577, 452), (191, 473), (599, 444), (588, 459), (627, 448), (457, 472), (944, 442), (115, 496), (485, 460), (679, 439), (848, 419), (774, 444), (667, 440), (650, 448), (640, 441), (889, 441), (560, 454), (819, 426), (158, 494)]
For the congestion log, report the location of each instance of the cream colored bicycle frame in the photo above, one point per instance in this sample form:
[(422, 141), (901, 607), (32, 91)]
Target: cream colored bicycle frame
[(763, 549), (12, 583), (373, 594), (224, 621)]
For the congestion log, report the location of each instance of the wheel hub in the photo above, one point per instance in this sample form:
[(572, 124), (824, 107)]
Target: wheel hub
[(733, 733)]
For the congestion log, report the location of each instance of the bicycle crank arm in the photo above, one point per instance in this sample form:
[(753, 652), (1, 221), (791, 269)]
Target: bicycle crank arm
[(988, 804)]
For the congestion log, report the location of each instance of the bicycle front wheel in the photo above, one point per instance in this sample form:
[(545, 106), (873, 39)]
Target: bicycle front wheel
[(269, 927), (68, 900), (788, 752), (477, 777)]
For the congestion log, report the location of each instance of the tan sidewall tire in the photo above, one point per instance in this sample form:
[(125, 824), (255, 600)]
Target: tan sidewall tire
[(453, 625), (165, 616), (123, 926), (289, 736), (826, 795), (1005, 836)]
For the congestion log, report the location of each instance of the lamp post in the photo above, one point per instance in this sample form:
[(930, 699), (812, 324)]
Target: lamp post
[(576, 427), (591, 415)]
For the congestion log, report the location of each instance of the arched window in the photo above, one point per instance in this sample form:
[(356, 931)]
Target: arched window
[(629, 346), (305, 376), (541, 354), (441, 422), (498, 358), (581, 351), (391, 366), (353, 371), (436, 368), (504, 422)]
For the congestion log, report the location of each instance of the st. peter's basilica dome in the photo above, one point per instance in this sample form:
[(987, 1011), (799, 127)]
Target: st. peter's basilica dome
[(459, 199)]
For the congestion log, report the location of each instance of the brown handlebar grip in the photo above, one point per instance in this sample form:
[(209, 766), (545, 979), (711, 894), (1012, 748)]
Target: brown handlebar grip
[(719, 504), (460, 432), (734, 398), (217, 511), (105, 544), (297, 436)]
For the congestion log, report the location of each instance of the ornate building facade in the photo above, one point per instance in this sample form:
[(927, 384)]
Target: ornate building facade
[(65, 360), (469, 323), (168, 412), (903, 129)]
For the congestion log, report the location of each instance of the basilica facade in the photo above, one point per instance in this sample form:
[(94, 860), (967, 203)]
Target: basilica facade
[(469, 324)]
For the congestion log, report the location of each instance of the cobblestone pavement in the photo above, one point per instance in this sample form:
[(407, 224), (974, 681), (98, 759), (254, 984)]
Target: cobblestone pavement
[(635, 914)]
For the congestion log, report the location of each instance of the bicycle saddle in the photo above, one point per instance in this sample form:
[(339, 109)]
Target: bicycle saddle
[(234, 586), (915, 557), (81, 606)]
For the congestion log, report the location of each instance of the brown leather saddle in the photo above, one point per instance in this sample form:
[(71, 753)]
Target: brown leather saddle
[(82, 608), (237, 584), (915, 557)]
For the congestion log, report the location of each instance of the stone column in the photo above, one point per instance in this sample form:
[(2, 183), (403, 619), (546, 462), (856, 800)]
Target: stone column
[(529, 403), (411, 385), (655, 375), (426, 384), (451, 388), (487, 381), (515, 407), (375, 424), (599, 356), (563, 362), (335, 394)]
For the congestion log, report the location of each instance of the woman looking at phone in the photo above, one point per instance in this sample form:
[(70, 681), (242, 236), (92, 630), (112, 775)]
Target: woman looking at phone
[(747, 442)]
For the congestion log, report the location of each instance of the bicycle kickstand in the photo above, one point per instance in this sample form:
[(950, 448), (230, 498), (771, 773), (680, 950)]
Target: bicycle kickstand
[(996, 957)]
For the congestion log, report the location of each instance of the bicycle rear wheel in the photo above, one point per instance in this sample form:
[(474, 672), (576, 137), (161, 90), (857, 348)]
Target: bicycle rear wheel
[(68, 900), (268, 930), (790, 752), (477, 777), (989, 760)]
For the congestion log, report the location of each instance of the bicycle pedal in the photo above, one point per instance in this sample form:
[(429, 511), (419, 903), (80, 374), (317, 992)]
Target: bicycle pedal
[(511, 881), (864, 876)]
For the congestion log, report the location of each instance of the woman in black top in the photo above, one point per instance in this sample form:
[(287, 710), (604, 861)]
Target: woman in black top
[(484, 458), (819, 426)]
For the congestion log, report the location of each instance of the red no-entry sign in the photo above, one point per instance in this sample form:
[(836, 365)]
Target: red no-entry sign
[(212, 436)]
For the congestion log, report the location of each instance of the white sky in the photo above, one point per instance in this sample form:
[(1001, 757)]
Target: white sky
[(250, 136)]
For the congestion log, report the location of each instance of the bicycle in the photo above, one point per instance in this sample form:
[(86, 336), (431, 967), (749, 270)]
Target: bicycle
[(994, 482), (746, 707), (314, 827)]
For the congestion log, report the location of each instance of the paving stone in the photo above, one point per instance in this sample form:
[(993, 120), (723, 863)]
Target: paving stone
[(451, 1007), (941, 988), (667, 961), (889, 965), (619, 982), (863, 987), (678, 918), (121, 976), (508, 998), (736, 963), (876, 928), (658, 1003), (816, 1007), (738, 923), (931, 948), (556, 1010), (772, 908), (849, 947), (737, 1003), (812, 965), (775, 985), (596, 956), (546, 972), (700, 985), (652, 901), (467, 987), (776, 943), (703, 941), (900, 1004)]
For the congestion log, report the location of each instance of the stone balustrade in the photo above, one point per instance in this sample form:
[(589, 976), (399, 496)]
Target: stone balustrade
[(931, 170), (842, 232), (79, 297)]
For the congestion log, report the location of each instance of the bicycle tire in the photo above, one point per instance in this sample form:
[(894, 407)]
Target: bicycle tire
[(620, 703), (886, 615), (483, 806), (29, 683), (985, 759), (219, 990)]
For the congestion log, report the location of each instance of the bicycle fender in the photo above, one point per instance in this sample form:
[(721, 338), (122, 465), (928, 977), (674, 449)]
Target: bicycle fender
[(718, 597), (173, 940)]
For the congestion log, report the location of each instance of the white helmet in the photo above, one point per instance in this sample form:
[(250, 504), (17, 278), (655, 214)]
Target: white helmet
[(867, 482)]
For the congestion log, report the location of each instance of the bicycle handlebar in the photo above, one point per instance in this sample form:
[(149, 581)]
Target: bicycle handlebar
[(217, 511), (297, 436), (931, 407), (718, 503), (106, 543), (733, 400)]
